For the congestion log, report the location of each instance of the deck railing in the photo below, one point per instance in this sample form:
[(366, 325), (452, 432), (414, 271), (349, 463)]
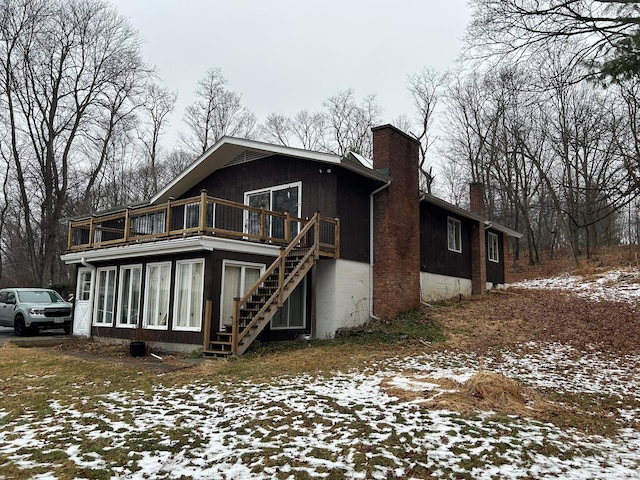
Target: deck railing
[(201, 215)]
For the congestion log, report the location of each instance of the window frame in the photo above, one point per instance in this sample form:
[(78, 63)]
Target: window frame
[(84, 282), (493, 249), (270, 190), (234, 263), (287, 307), (457, 235), (119, 305), (107, 271), (147, 289), (178, 290)]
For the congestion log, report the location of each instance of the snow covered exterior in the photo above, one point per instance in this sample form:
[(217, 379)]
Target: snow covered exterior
[(342, 239)]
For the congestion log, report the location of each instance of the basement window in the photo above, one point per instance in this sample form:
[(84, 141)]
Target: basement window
[(454, 230), (492, 247)]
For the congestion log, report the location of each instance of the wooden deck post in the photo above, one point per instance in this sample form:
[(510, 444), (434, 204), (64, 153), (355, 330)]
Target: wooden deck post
[(263, 229), (127, 224), (208, 307), (203, 210), (235, 325), (287, 227), (91, 230), (167, 217), (337, 237)]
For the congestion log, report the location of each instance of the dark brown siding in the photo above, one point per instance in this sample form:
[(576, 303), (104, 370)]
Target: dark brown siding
[(435, 256), (318, 186), (495, 271), (328, 189), (354, 213)]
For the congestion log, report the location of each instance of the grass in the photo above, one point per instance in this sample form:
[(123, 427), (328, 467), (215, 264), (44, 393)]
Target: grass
[(31, 379)]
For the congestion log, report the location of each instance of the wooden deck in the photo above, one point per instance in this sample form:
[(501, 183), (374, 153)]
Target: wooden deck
[(201, 215)]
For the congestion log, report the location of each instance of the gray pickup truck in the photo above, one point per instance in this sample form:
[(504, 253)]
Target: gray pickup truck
[(30, 309)]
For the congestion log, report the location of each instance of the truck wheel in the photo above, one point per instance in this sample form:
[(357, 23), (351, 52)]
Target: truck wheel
[(18, 326), (67, 329)]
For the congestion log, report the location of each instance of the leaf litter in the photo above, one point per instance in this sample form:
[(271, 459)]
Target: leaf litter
[(508, 411)]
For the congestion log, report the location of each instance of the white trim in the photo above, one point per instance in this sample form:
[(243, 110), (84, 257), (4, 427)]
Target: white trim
[(458, 228), (119, 297), (145, 317), (490, 236), (172, 246), (187, 328), (234, 263), (270, 191), (94, 321)]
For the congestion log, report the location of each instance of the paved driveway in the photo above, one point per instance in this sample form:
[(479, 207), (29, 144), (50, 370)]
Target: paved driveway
[(41, 338)]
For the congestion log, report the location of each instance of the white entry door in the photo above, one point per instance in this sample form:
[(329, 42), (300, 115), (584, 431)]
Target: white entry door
[(82, 313)]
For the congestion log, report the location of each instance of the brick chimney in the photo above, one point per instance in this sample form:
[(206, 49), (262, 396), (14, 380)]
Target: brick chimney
[(478, 241), (396, 242)]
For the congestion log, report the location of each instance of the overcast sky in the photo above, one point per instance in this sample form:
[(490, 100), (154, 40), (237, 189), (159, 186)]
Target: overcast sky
[(288, 55)]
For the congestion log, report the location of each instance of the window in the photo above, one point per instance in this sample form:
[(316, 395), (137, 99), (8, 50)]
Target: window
[(84, 286), (129, 295), (492, 247), (187, 313), (105, 296), (291, 315), (237, 279), (454, 235), (283, 198), (156, 296)]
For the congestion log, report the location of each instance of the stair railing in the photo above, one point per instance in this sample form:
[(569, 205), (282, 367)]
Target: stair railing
[(237, 335)]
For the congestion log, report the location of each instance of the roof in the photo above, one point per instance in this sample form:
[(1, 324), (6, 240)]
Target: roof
[(427, 197), (228, 150)]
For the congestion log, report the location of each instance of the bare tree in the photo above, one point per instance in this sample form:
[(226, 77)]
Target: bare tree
[(349, 123), (426, 88), (158, 104), (215, 113), (276, 129), (606, 29), (309, 129), (63, 63)]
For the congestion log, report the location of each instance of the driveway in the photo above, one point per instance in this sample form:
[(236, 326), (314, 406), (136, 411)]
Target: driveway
[(42, 338)]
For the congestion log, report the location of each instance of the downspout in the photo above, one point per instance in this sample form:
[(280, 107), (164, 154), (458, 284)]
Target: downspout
[(371, 230)]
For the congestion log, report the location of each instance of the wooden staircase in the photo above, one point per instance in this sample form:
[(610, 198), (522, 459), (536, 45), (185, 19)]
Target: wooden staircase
[(253, 312)]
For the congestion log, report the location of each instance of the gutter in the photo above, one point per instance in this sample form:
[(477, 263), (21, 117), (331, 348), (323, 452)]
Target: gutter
[(376, 191)]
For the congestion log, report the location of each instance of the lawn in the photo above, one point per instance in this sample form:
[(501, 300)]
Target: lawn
[(527, 383)]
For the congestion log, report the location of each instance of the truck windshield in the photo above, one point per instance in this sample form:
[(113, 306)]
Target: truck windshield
[(39, 296)]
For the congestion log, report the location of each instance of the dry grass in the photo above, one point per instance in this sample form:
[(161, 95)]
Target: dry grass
[(559, 262)]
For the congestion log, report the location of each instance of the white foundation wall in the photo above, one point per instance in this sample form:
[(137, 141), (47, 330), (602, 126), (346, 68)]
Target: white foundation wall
[(342, 296), (434, 287)]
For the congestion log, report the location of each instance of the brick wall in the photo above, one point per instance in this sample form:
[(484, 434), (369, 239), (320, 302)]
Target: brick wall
[(396, 243)]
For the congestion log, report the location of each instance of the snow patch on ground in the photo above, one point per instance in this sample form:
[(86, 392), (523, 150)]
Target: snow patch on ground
[(614, 285)]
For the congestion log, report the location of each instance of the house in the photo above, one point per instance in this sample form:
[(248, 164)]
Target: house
[(264, 241)]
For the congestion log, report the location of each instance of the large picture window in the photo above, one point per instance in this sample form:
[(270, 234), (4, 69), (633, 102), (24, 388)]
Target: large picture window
[(129, 295), (283, 198), (492, 247), (156, 297), (187, 313), (105, 296), (454, 234)]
